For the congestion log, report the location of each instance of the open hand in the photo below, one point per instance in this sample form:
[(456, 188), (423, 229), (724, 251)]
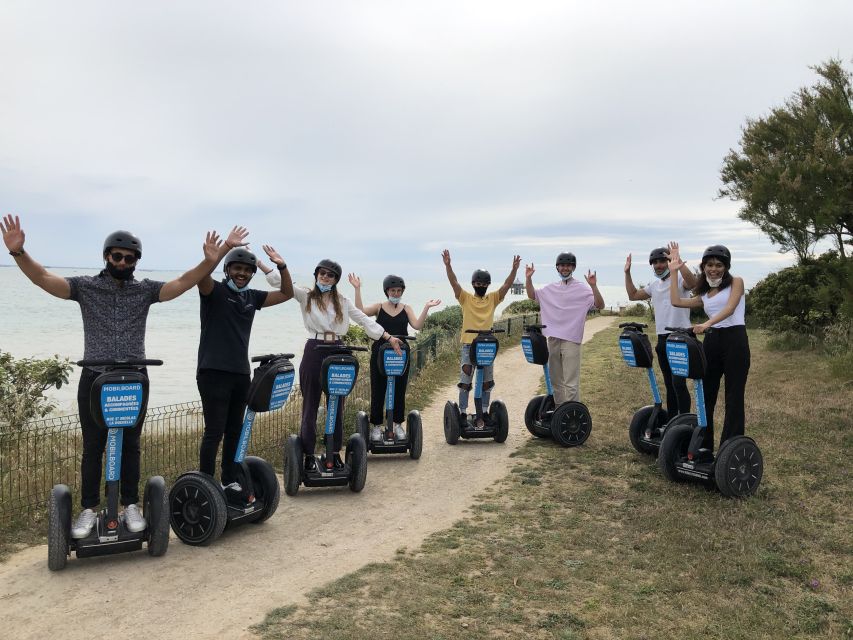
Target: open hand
[(13, 235), (591, 278), (237, 237), (354, 280), (628, 264), (211, 246), (273, 254), (445, 255)]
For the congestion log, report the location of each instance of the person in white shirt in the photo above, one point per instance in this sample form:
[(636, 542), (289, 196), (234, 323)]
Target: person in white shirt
[(326, 315), (666, 315)]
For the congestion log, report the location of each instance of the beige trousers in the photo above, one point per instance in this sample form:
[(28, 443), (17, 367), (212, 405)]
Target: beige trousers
[(564, 363)]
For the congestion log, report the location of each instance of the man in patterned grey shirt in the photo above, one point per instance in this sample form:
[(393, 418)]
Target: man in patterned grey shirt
[(115, 307)]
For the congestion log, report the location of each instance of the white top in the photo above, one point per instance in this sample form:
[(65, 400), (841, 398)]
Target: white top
[(667, 315), (714, 305), (319, 320)]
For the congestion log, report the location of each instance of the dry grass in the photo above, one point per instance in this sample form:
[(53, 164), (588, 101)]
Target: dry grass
[(595, 543)]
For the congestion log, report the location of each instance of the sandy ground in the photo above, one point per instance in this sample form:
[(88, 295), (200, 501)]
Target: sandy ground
[(315, 537)]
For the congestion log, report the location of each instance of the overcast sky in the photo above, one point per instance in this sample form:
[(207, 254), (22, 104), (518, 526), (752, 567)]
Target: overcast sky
[(379, 133)]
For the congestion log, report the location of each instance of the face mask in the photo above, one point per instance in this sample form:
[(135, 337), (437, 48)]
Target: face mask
[(565, 279), (119, 274), (480, 291), (714, 283), (663, 275), (234, 287), (394, 300), (324, 287)]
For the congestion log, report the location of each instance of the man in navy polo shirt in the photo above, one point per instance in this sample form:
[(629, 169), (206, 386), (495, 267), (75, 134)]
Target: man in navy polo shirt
[(115, 307)]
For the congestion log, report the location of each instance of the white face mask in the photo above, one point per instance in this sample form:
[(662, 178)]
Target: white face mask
[(394, 300), (714, 283), (663, 275)]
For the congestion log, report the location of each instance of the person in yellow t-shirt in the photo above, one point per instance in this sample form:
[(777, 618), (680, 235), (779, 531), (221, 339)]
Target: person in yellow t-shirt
[(478, 312)]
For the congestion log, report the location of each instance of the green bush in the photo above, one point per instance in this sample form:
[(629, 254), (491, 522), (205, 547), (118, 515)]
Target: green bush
[(521, 307), (22, 386), (356, 335), (638, 310), (448, 319)]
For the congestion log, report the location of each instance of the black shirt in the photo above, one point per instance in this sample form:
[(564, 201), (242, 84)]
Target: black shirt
[(226, 322)]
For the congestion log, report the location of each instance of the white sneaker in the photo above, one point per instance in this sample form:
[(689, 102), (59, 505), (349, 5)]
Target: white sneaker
[(133, 520), (234, 486), (399, 432), (376, 433), (84, 524)]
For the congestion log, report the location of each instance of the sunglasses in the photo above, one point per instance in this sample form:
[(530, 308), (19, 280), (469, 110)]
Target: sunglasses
[(327, 274), (117, 257)]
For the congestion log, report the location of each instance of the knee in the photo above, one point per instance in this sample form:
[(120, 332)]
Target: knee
[(465, 386), (467, 369), (487, 386)]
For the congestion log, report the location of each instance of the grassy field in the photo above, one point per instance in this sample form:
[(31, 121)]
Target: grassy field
[(594, 543)]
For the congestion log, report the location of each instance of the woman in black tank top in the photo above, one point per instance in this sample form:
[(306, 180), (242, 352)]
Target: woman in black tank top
[(395, 318)]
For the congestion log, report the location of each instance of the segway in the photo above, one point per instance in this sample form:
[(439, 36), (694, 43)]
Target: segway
[(650, 422), (338, 374), (483, 351), (200, 507), (569, 424), (737, 468), (118, 400), (393, 366)]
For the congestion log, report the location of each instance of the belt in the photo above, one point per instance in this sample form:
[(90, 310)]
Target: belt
[(327, 336)]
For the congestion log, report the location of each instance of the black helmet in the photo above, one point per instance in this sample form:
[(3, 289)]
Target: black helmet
[(567, 258), (392, 281), (123, 240), (329, 265), (242, 256), (720, 252), (660, 253), (481, 275)]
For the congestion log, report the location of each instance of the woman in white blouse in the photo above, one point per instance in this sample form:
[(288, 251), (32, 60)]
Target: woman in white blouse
[(326, 315)]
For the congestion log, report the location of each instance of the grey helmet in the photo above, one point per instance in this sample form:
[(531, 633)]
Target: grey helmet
[(241, 256), (329, 265), (123, 240), (567, 258), (392, 281), (481, 275), (660, 253), (720, 252)]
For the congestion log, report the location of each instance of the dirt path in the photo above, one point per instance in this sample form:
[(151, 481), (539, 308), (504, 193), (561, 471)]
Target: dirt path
[(219, 591)]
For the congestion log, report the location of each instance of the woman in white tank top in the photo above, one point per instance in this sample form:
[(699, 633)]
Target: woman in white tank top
[(727, 347)]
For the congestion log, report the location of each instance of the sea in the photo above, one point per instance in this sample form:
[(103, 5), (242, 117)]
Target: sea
[(34, 324)]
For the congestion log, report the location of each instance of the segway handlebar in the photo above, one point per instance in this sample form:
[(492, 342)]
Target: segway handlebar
[(406, 338), (272, 356), (341, 347), (129, 362), (686, 329), (633, 325), (535, 327), (485, 332)]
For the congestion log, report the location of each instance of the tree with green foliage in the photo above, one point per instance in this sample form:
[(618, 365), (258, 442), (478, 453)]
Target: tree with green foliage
[(520, 307), (794, 172), (22, 386)]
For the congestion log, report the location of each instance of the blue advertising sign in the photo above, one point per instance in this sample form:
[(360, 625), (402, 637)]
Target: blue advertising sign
[(341, 378), (527, 348), (121, 404), (679, 362), (245, 434), (627, 348), (394, 364), (114, 440), (486, 353), (281, 388)]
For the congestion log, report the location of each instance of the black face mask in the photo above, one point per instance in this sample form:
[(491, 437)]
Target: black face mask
[(118, 273), (480, 291)]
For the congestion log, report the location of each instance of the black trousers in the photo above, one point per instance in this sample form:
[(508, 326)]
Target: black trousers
[(677, 394), (378, 384), (727, 354), (223, 399), (94, 443), (312, 391)]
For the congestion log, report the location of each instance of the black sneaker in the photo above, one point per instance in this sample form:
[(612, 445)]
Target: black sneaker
[(310, 463), (339, 464), (463, 419)]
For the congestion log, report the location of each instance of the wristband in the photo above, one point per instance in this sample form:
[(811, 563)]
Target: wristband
[(281, 267), (16, 254)]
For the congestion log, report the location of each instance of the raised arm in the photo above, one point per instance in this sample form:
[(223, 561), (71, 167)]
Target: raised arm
[(451, 277), (235, 239), (632, 291), (687, 276), (529, 270), (370, 310), (285, 290), (516, 262), (592, 281), (417, 322), (13, 237), (675, 263)]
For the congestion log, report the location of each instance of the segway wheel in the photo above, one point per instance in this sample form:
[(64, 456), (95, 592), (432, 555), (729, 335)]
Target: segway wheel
[(155, 507), (356, 455), (362, 426), (197, 509), (501, 417), (638, 425), (451, 422), (571, 424), (292, 465), (531, 416), (739, 467), (415, 434), (265, 483), (674, 447), (58, 527)]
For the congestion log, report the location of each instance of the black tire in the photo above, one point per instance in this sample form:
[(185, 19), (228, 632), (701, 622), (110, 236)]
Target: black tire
[(362, 426), (357, 459), (451, 422), (155, 508), (637, 428), (292, 465), (415, 434), (739, 467), (674, 447), (58, 527), (571, 424), (531, 416), (501, 417), (197, 509), (265, 483)]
